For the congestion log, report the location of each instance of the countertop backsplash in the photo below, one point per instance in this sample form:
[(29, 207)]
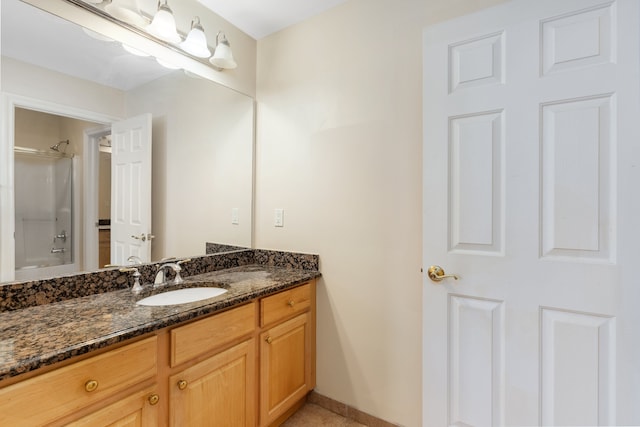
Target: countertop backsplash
[(19, 295)]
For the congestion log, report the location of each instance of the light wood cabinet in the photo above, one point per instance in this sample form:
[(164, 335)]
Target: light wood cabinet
[(285, 367), (208, 334), (66, 391), (287, 352), (104, 247), (247, 366), (219, 391), (137, 410)]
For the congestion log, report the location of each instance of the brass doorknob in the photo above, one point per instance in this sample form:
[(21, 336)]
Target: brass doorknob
[(182, 384), (437, 274), (269, 340), (291, 303)]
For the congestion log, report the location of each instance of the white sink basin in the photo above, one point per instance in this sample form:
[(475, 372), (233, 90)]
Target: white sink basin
[(181, 296)]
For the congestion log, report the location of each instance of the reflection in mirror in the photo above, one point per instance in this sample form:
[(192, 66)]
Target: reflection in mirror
[(202, 139)]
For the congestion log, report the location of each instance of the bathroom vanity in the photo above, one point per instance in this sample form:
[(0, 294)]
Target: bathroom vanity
[(246, 357)]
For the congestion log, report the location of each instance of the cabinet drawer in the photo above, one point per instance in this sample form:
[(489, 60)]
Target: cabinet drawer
[(204, 335), (49, 396), (283, 304)]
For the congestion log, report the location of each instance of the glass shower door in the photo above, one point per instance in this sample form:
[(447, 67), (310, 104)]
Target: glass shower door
[(43, 210)]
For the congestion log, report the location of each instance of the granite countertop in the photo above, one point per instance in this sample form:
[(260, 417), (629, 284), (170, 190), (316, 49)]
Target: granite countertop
[(38, 336)]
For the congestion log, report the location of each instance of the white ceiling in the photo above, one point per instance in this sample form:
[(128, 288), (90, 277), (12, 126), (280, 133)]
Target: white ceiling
[(259, 18)]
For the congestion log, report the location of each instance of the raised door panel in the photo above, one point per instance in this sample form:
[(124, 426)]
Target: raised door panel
[(218, 392), (137, 410), (285, 366)]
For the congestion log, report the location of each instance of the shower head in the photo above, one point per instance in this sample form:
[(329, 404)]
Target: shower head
[(56, 147)]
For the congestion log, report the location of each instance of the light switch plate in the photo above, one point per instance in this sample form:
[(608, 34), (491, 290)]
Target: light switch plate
[(235, 216), (279, 217)]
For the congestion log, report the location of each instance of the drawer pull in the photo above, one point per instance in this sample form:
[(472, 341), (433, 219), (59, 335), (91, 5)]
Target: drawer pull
[(154, 399), (182, 384), (269, 340), (291, 303), (91, 385)]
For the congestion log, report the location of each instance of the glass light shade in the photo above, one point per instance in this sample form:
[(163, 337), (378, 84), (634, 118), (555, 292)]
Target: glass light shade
[(126, 11), (163, 25), (133, 50), (196, 41), (167, 64), (222, 55), (96, 36)]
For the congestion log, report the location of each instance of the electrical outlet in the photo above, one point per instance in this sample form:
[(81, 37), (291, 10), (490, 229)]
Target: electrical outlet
[(279, 217)]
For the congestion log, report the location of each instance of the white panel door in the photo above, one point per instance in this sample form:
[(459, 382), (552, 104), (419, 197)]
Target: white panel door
[(131, 189), (531, 177)]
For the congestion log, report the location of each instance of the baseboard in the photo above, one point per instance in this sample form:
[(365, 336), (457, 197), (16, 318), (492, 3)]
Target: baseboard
[(347, 411)]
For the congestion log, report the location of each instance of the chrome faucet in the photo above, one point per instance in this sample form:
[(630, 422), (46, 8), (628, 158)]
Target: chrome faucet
[(161, 276)]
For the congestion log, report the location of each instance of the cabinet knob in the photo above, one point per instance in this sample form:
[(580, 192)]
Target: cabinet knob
[(269, 340), (291, 303), (154, 399), (91, 385), (182, 384)]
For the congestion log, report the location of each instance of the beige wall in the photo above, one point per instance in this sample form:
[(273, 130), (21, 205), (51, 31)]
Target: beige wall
[(339, 147), (243, 46), (22, 79), (202, 163)]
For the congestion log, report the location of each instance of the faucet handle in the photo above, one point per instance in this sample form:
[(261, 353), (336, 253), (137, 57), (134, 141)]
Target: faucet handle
[(136, 279), (178, 278)]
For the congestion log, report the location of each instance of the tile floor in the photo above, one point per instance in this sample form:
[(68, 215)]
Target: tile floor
[(311, 415)]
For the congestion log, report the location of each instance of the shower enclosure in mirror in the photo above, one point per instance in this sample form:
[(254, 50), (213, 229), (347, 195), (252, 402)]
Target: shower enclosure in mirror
[(43, 205)]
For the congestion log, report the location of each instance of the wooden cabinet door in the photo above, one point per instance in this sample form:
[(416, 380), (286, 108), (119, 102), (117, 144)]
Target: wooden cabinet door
[(285, 366), (138, 410), (217, 392)]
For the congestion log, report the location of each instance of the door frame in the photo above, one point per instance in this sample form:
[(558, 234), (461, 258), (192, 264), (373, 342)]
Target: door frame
[(7, 202), (90, 200)]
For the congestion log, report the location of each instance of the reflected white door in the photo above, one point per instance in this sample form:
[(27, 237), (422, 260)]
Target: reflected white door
[(531, 183), (131, 189)]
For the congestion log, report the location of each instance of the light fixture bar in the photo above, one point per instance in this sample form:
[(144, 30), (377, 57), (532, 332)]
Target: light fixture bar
[(98, 10)]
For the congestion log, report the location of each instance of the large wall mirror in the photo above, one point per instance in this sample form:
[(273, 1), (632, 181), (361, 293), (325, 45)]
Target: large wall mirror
[(65, 90)]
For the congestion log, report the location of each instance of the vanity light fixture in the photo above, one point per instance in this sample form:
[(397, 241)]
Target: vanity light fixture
[(222, 56), (126, 13), (196, 41), (163, 24)]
